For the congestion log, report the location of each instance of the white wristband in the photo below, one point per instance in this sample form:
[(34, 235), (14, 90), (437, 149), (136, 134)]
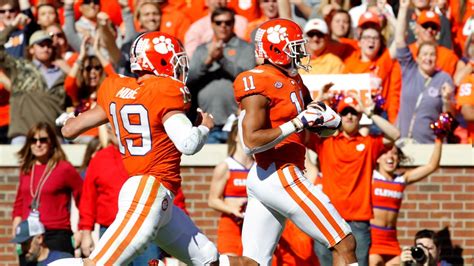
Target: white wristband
[(287, 129)]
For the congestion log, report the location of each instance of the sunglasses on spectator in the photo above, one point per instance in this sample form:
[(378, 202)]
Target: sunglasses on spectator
[(431, 26), (42, 140), (86, 2), (373, 38), (46, 43), (348, 110), (58, 34), (11, 10), (226, 22), (96, 68), (316, 33)]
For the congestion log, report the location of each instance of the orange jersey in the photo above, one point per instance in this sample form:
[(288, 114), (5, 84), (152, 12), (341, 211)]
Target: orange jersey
[(135, 111), (286, 100), (387, 194), (464, 96), (446, 59)]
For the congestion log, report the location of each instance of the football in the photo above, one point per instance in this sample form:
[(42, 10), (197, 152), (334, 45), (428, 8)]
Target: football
[(324, 131)]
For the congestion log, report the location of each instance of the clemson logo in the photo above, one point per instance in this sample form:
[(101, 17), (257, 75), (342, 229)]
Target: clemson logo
[(162, 44), (276, 34)]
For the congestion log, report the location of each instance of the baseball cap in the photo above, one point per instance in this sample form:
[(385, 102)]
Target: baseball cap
[(39, 36), (316, 24), (428, 16), (348, 101), (27, 229), (369, 17)]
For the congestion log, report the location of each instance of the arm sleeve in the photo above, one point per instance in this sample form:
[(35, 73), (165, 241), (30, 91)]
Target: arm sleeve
[(70, 30), (187, 139), (18, 205), (109, 70), (71, 89), (197, 68), (377, 147), (405, 58), (87, 207), (130, 31), (393, 97), (73, 182)]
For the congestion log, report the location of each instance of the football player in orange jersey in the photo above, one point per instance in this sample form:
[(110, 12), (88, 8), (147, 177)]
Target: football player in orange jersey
[(148, 117), (276, 108)]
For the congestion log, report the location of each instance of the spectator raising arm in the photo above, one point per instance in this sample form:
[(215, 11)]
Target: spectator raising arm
[(419, 173), (400, 29), (106, 33)]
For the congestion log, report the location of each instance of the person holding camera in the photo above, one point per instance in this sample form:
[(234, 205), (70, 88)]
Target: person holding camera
[(426, 251)]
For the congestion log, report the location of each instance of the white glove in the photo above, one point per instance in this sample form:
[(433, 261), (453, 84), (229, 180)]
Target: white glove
[(61, 120), (331, 119), (310, 117)]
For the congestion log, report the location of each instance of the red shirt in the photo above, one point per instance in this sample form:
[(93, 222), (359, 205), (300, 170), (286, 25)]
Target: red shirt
[(347, 165), (104, 177), (55, 197)]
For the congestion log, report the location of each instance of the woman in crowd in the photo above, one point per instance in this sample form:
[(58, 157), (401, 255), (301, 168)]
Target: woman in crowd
[(373, 57), (48, 182), (426, 91), (228, 195), (387, 194), (84, 79)]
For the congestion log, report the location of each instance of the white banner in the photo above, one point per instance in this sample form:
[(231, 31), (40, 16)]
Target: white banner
[(359, 83)]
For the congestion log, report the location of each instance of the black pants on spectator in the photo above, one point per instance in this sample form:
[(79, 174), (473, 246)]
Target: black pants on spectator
[(59, 240)]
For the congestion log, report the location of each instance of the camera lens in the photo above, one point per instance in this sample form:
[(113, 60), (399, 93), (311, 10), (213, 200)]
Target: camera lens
[(418, 255)]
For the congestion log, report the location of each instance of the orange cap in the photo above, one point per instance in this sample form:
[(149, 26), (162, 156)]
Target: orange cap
[(369, 17), (348, 101), (428, 16)]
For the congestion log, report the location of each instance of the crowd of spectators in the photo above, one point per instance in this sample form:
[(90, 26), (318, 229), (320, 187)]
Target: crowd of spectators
[(55, 54)]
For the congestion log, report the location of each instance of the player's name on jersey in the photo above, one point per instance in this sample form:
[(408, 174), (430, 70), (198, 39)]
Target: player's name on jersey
[(127, 93)]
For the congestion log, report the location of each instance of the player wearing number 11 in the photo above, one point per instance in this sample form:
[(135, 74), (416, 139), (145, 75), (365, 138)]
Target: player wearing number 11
[(148, 117), (276, 108)]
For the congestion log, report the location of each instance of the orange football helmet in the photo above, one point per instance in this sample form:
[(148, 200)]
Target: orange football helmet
[(281, 42), (160, 54)]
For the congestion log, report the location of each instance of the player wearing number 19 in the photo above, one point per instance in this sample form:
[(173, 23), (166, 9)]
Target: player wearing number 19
[(148, 117), (276, 108)]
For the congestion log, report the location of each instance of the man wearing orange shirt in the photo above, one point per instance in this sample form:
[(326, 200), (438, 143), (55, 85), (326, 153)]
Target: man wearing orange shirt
[(323, 61), (347, 160), (426, 29)]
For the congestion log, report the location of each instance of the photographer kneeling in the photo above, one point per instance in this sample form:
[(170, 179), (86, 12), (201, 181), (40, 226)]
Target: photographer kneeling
[(425, 252)]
